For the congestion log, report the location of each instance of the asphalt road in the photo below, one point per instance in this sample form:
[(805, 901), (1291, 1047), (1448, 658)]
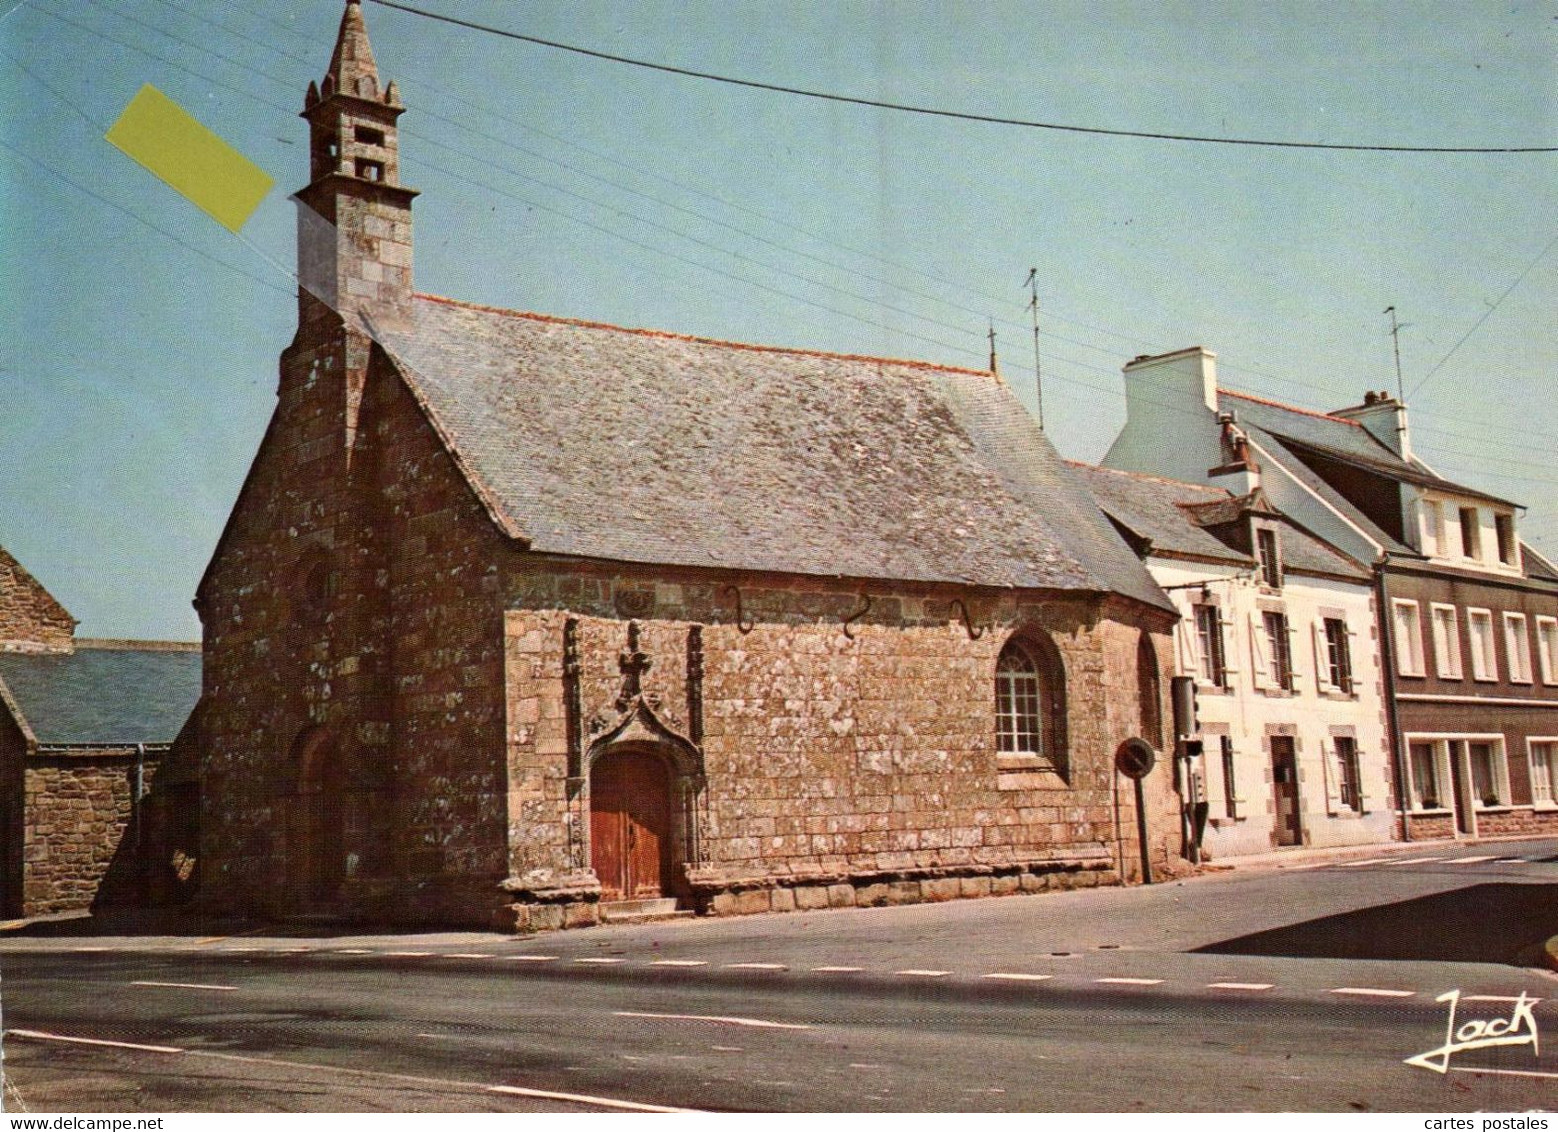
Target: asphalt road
[(1297, 989)]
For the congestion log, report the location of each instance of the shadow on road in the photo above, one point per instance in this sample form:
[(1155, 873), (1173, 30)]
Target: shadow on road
[(114, 921), (1487, 923)]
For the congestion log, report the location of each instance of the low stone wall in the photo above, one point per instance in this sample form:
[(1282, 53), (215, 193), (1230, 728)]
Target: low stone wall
[(1519, 821)]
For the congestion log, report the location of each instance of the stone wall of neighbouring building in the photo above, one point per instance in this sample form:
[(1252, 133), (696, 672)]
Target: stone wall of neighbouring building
[(79, 844), (30, 617)]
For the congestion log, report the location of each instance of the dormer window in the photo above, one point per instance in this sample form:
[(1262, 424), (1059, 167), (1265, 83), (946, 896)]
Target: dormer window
[(1504, 528), (1269, 558), (369, 136), (1471, 534), (1433, 528), (370, 170)]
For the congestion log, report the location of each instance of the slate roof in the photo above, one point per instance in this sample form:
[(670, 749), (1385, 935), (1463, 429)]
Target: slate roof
[(1180, 519), (102, 695), (1338, 438), (646, 447)]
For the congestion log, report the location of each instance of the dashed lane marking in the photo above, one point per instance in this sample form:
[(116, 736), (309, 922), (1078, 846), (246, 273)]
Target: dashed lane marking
[(1016, 976), (1373, 992), (757, 966), (923, 973), (84, 950), (1364, 864), (581, 1098), (598, 959), (721, 1019), (43, 1036), (466, 955), (530, 958), (1240, 986), (838, 970), (182, 986), (1467, 860), (1412, 860), (352, 951), (1121, 980), (406, 954), (680, 963)]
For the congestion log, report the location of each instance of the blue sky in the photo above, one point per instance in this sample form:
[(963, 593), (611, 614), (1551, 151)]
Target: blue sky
[(138, 342)]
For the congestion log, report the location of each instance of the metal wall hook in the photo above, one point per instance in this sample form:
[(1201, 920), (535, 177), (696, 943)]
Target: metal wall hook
[(968, 622), (743, 626), (856, 616)]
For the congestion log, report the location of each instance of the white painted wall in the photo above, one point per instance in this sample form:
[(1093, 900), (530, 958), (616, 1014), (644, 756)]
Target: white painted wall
[(1244, 712)]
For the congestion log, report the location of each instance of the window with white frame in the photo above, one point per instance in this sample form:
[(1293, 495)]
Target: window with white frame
[(1504, 530), (1280, 649), (1337, 654), (1433, 529), (1209, 637), (1544, 771), (1489, 777), (1347, 773), (1517, 648), (1479, 627), (1447, 641), (1427, 792), (1471, 534), (1547, 648), (1270, 558), (1407, 631), (1030, 706)]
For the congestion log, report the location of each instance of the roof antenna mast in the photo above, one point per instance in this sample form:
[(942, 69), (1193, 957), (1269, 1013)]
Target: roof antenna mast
[(1395, 338), (1032, 283), (993, 370)]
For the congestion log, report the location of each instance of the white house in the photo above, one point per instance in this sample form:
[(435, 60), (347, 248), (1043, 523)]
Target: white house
[(1277, 630)]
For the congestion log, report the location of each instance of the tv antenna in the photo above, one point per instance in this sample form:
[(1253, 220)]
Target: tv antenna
[(1395, 338), (1032, 283)]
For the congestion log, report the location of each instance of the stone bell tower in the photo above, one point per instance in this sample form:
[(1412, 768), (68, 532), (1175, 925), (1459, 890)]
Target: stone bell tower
[(354, 223)]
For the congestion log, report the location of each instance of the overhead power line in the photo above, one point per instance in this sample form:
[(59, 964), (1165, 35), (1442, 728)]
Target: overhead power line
[(961, 115)]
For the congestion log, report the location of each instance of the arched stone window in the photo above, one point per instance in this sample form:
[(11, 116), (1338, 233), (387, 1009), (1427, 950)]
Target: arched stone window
[(1030, 706)]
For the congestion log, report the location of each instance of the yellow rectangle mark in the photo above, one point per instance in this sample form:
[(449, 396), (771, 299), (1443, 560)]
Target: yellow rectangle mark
[(161, 135)]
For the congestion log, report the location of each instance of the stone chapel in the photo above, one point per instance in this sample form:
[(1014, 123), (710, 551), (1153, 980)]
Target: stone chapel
[(522, 620)]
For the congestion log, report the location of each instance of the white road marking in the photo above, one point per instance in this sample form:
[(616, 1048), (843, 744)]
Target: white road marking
[(236, 950), (1240, 986), (42, 1036), (181, 986), (1361, 864), (1376, 992), (467, 955), (597, 959), (1130, 982), (1016, 976), (406, 954), (272, 1063), (1498, 998), (352, 951), (530, 958), (728, 1049), (839, 970), (1511, 861), (1505, 1072), (1414, 860), (84, 950), (1468, 860), (680, 963), (581, 1098), (865, 1065), (757, 966), (923, 973), (722, 1019)]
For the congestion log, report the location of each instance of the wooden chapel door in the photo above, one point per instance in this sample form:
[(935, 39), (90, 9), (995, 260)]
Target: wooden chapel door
[(630, 826)]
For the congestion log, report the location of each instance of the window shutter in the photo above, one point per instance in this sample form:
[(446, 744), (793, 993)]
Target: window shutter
[(1188, 647), (1260, 667), (1332, 775), (1294, 676), (1322, 658), (1230, 647)]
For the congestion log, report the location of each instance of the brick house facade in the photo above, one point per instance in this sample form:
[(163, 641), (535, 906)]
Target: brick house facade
[(518, 615)]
